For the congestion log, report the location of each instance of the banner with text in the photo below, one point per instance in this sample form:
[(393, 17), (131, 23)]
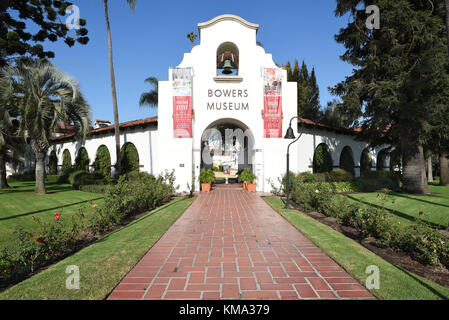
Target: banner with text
[(182, 102), (272, 112)]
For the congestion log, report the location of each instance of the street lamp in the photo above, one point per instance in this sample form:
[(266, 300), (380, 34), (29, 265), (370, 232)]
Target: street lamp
[(290, 134)]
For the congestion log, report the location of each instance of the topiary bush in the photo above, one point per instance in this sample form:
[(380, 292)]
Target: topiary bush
[(129, 158), (347, 160), (322, 160), (66, 162), (82, 160), (102, 163), (53, 163), (340, 175)]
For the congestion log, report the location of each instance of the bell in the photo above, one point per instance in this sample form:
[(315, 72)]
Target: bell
[(289, 134), (227, 67)]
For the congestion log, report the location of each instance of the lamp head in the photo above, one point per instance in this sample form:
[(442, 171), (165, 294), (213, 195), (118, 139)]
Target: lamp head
[(289, 134)]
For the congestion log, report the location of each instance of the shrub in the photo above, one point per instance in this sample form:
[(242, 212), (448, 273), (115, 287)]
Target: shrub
[(129, 158), (347, 160), (26, 176), (307, 177), (340, 175), (80, 177), (206, 176), (66, 162), (322, 160), (94, 188), (82, 160), (102, 163), (247, 176), (53, 163)]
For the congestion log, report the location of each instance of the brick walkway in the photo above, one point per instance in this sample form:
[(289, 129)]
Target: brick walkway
[(230, 244)]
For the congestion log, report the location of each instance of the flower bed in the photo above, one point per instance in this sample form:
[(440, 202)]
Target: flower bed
[(420, 241), (51, 241)]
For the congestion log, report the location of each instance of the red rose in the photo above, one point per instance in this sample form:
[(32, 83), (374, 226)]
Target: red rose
[(57, 216), (40, 239), (421, 213)]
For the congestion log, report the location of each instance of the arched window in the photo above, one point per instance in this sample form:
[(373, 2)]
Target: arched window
[(53, 163), (347, 160), (365, 162), (322, 160), (82, 160), (102, 163), (227, 59), (66, 161), (129, 158)]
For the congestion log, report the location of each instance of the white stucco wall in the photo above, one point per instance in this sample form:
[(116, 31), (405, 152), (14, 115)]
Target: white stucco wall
[(159, 150)]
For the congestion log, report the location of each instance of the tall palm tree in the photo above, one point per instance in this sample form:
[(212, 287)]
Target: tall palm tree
[(132, 5), (192, 36), (150, 98), (46, 96)]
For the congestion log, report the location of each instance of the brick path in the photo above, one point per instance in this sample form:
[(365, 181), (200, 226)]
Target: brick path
[(230, 244)]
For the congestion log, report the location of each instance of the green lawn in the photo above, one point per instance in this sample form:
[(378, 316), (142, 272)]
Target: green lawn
[(405, 208), (19, 204), (395, 283), (103, 264)]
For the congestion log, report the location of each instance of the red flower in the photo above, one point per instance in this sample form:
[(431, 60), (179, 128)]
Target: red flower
[(421, 213), (57, 216), (94, 206), (40, 239)]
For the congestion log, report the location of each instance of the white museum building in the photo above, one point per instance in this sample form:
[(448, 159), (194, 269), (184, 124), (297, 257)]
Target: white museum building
[(226, 104)]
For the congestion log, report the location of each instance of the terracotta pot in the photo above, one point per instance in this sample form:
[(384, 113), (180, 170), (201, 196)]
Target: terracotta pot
[(244, 185), (205, 187), (251, 187)]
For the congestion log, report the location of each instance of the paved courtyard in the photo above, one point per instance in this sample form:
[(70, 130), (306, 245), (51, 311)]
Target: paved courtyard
[(230, 244)]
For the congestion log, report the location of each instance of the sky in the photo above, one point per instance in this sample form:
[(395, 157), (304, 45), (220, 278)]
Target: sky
[(153, 38)]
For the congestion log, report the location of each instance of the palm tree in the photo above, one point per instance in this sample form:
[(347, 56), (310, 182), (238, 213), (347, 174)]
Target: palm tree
[(150, 98), (45, 96), (444, 163), (132, 5), (192, 36)]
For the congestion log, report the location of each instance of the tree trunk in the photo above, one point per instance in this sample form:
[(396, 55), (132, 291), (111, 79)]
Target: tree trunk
[(414, 171), (113, 89), (429, 169), (3, 181), (444, 169), (40, 173)]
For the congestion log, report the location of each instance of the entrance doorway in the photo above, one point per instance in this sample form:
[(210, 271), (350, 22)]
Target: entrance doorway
[(227, 149)]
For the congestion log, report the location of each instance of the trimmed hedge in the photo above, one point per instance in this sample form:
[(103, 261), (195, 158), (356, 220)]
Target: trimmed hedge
[(53, 163), (102, 163), (82, 160), (129, 158), (421, 242), (66, 162), (322, 160)]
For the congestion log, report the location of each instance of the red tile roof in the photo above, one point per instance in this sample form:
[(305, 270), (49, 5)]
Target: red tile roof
[(122, 125), (149, 120), (311, 123)]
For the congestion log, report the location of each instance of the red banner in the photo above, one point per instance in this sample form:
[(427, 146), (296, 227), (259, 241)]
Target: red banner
[(182, 103), (272, 113), (182, 117)]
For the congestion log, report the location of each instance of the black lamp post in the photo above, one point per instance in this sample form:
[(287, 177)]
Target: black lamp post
[(290, 134)]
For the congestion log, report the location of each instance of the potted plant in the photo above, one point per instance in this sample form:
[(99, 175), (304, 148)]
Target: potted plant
[(248, 180), (206, 178)]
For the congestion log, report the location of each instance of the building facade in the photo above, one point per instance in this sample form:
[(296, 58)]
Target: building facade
[(226, 105)]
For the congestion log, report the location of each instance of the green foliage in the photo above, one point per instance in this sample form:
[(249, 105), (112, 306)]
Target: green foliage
[(66, 162), (94, 188), (322, 160), (247, 176), (80, 177), (102, 163), (365, 162), (340, 175), (129, 158), (347, 160), (26, 176), (28, 22), (53, 163), (421, 242), (206, 176), (82, 160)]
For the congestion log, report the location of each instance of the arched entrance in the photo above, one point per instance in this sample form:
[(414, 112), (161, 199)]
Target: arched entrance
[(227, 146)]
